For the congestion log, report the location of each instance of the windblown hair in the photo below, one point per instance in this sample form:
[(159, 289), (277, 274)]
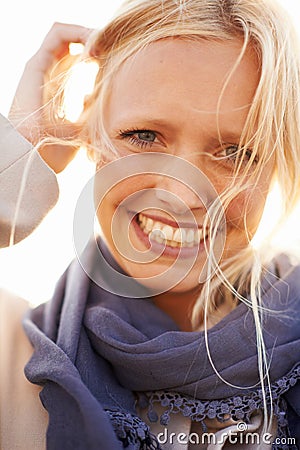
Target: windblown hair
[(272, 126)]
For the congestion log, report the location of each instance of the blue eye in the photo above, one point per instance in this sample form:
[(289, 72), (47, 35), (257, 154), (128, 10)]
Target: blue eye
[(139, 138), (233, 153), (148, 136), (231, 150)]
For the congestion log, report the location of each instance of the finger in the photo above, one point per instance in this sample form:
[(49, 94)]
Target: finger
[(62, 33), (56, 43)]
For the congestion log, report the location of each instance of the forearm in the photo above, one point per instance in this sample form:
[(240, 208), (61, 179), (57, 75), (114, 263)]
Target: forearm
[(18, 164)]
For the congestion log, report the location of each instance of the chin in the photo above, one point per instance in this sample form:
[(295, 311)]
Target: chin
[(163, 279)]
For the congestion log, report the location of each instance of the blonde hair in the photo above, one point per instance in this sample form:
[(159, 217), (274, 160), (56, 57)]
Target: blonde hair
[(272, 126)]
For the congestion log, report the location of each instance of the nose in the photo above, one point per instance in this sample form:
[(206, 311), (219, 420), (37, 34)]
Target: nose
[(178, 197)]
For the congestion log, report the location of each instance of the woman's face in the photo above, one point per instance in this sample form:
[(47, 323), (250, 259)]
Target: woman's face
[(170, 98)]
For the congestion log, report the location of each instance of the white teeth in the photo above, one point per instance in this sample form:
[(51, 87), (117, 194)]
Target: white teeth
[(178, 236), (168, 232), (147, 223), (190, 238), (157, 235), (144, 220), (156, 225), (199, 235), (171, 236), (183, 235)]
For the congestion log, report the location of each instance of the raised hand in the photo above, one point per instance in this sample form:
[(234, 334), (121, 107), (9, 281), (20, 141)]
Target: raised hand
[(30, 110)]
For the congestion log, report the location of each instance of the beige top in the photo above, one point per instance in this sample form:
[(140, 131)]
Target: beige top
[(19, 163), (23, 420)]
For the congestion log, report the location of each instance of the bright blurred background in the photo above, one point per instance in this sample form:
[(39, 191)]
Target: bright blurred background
[(32, 267)]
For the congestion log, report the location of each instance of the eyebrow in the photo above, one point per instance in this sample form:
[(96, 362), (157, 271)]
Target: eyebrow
[(129, 121), (227, 135)]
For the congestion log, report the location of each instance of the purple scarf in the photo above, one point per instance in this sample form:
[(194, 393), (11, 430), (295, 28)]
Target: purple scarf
[(98, 354)]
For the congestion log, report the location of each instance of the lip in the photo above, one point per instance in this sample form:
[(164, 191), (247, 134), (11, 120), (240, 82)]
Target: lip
[(165, 250)]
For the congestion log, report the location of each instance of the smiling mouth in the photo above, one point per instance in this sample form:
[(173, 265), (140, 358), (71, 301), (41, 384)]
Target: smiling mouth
[(175, 237)]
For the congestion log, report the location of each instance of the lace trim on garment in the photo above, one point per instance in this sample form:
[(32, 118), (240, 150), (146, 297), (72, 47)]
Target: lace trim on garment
[(239, 407), (132, 431), (283, 432)]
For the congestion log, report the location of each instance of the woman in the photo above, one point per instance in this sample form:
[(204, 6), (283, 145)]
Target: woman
[(193, 117)]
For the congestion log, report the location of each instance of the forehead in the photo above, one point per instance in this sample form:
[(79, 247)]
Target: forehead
[(185, 77)]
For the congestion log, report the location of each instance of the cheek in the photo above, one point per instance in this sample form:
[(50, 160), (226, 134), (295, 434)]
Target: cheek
[(130, 193), (248, 205)]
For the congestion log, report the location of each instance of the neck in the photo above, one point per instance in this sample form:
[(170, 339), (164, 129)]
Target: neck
[(178, 306)]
